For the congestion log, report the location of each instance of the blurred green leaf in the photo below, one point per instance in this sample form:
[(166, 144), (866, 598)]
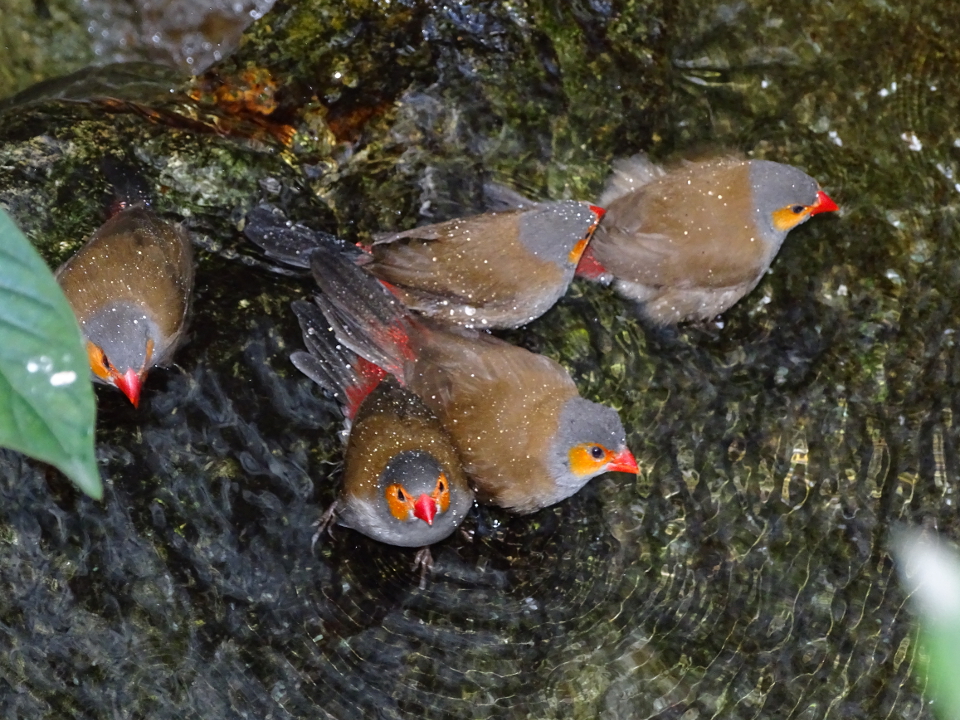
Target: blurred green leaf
[(942, 645), (930, 572), (47, 406)]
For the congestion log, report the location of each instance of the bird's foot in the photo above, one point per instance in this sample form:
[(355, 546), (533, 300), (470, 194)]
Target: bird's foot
[(423, 561), (324, 524)]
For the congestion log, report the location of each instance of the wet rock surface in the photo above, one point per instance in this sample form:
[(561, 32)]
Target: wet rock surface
[(744, 573)]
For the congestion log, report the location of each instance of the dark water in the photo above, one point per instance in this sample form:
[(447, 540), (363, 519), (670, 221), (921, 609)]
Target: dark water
[(745, 573)]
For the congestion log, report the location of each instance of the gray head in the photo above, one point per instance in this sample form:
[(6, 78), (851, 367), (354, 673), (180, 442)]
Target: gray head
[(784, 197), (414, 503), (122, 345), (558, 231), (590, 440)]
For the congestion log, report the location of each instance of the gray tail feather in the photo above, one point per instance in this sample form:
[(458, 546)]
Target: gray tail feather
[(364, 315), (327, 362), (628, 175), (285, 241), (499, 198)]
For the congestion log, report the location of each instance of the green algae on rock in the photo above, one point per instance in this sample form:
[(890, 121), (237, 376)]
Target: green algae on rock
[(744, 574)]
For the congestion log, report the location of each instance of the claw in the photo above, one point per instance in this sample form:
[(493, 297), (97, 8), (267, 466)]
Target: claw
[(324, 524), (424, 562)]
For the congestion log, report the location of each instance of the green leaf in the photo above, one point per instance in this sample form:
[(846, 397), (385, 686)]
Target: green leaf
[(942, 645), (47, 406), (930, 572)]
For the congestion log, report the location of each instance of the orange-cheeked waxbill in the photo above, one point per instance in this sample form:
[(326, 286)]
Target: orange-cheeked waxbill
[(130, 287), (688, 243), (402, 481), (495, 270), (525, 437)]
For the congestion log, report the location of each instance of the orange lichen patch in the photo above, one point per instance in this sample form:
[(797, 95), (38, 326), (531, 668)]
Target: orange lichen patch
[(346, 126), (252, 91)]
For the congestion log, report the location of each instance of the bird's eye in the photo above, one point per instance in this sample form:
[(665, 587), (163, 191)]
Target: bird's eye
[(399, 502), (98, 362), (587, 459), (789, 216), (442, 494)]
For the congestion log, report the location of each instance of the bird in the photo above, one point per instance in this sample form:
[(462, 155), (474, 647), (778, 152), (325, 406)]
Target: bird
[(525, 437), (402, 482), (499, 269), (688, 243), (130, 287)]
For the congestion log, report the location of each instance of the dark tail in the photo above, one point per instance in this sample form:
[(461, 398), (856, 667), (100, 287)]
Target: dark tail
[(334, 367), (499, 198), (128, 186), (284, 240), (364, 315)]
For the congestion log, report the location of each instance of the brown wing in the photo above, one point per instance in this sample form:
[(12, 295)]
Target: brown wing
[(477, 261), (501, 405), (137, 257), (691, 228)]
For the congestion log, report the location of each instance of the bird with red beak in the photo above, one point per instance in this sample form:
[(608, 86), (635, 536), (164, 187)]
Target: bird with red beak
[(525, 437), (402, 481), (129, 287), (688, 243), (500, 269)]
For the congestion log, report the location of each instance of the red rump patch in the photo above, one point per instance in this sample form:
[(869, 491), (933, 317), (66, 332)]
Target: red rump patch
[(589, 267), (400, 338), (368, 377), (395, 339), (392, 288)]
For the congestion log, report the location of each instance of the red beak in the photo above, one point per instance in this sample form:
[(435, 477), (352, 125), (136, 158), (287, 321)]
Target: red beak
[(623, 462), (130, 383), (425, 508), (598, 211), (823, 204)]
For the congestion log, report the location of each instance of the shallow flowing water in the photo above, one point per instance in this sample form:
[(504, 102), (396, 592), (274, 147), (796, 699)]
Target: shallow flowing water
[(744, 573)]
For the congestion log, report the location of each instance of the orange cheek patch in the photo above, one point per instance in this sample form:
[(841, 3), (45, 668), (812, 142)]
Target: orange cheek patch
[(146, 363), (582, 463), (574, 256), (785, 219), (400, 509), (98, 363), (442, 494)]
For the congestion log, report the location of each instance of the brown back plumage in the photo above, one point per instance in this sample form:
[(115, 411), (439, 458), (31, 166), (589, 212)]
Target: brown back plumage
[(693, 227), (134, 258), (500, 404)]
